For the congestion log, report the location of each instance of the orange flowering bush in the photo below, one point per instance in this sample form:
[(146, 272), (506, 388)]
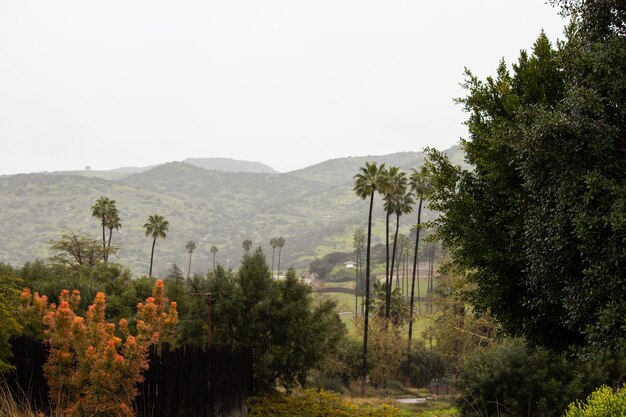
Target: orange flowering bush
[(93, 367)]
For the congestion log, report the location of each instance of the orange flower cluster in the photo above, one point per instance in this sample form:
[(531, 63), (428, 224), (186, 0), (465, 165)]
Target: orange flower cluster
[(90, 370)]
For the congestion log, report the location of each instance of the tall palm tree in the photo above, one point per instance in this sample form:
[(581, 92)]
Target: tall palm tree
[(420, 184), (366, 183), (358, 242), (214, 251), (394, 188), (247, 244), (280, 242), (157, 227), (100, 209), (274, 244), (402, 204), (387, 188), (113, 221), (191, 246), (402, 248)]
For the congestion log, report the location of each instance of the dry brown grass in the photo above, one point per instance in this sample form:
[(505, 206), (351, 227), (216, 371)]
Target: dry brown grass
[(9, 407)]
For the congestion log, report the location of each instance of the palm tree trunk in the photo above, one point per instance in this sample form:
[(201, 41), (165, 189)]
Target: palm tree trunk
[(152, 256), (387, 259), (273, 250), (356, 287), (393, 260), (398, 263), (106, 257), (214, 262), (278, 268), (415, 266), (367, 296), (104, 245), (361, 281), (189, 267)]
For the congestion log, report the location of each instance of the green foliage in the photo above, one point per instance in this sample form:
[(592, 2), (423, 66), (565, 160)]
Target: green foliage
[(423, 366), (398, 309), (9, 326), (599, 18), (323, 266), (603, 402), (123, 292), (288, 332), (512, 379), (311, 403), (74, 250), (456, 329), (539, 224)]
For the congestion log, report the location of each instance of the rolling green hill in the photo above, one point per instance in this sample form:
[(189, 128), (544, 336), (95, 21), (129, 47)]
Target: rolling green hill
[(313, 208)]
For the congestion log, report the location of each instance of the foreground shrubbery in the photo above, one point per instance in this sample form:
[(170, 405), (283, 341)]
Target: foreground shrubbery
[(311, 403), (601, 403), (90, 370), (513, 379)]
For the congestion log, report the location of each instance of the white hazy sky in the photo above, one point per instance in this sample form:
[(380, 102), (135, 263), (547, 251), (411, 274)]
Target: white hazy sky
[(288, 83)]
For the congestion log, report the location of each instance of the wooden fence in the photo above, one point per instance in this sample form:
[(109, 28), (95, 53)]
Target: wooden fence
[(185, 381)]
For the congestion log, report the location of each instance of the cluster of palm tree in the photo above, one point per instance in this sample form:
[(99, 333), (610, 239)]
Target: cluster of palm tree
[(398, 193), (277, 242), (156, 226), (106, 211)]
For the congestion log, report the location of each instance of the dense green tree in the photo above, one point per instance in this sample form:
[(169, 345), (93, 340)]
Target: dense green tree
[(511, 379), (190, 246), (123, 293), (600, 19), (324, 265), (157, 227), (9, 326), (538, 223), (287, 331), (366, 183)]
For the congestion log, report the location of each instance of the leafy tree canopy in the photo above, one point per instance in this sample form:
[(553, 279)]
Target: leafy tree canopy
[(9, 326), (538, 225), (288, 331)]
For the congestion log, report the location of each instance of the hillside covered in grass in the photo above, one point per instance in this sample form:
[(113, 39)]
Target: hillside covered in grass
[(314, 209)]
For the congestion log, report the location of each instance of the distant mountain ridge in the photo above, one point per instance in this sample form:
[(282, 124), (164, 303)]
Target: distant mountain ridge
[(314, 208), (230, 165), (213, 164)]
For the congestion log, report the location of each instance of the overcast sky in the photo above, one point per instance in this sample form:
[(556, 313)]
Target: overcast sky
[(288, 83)]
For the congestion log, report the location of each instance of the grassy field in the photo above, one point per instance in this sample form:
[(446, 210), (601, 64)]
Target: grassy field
[(345, 306)]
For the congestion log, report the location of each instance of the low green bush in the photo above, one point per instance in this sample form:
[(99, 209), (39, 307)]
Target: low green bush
[(311, 403), (603, 402), (424, 366), (513, 379)]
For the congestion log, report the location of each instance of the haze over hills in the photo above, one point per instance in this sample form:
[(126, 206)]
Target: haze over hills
[(215, 164), (230, 165), (314, 209)]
